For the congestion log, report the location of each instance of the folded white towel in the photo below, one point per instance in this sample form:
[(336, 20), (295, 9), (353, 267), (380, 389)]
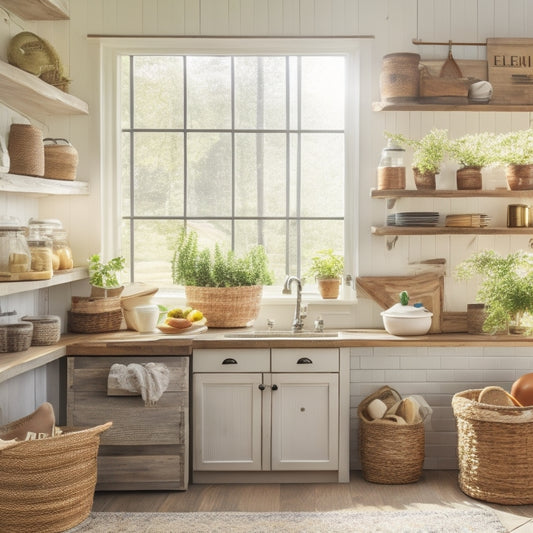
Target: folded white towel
[(150, 380)]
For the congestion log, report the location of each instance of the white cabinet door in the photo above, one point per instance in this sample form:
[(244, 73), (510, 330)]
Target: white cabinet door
[(227, 421), (305, 421)]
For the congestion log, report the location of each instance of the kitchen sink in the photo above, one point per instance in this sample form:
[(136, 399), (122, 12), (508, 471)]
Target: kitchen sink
[(272, 333)]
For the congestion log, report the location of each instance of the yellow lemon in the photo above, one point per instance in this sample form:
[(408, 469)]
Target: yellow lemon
[(195, 315)]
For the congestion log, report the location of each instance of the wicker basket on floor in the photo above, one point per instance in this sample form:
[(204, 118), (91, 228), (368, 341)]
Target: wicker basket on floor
[(494, 450), (390, 454), (48, 484)]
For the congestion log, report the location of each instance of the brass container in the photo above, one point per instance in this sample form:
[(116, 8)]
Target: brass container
[(517, 216)]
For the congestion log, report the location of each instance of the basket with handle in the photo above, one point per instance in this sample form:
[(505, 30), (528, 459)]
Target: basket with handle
[(390, 453), (48, 484), (60, 159), (494, 450)]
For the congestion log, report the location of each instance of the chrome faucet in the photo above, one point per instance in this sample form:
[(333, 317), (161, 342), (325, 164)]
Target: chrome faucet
[(297, 323)]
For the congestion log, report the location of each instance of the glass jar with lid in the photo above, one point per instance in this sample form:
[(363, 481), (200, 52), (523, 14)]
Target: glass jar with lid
[(391, 168), (14, 252), (62, 250)]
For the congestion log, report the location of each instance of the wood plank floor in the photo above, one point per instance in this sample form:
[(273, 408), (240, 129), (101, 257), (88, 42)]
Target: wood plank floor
[(436, 489)]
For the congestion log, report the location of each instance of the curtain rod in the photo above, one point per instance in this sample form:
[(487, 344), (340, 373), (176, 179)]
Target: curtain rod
[(134, 36), (449, 43)]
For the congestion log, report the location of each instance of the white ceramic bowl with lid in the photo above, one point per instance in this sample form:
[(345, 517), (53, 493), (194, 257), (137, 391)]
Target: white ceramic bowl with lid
[(407, 319)]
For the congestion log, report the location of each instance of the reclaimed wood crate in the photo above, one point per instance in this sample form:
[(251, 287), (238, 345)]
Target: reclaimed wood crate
[(510, 69)]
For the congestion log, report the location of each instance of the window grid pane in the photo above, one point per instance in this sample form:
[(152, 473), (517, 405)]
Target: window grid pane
[(239, 160)]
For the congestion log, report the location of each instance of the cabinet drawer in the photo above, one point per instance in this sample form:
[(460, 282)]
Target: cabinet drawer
[(231, 360), (305, 360)]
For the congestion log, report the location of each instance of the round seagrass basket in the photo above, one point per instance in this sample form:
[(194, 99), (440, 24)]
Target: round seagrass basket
[(390, 454), (226, 307), (494, 450), (48, 484), (26, 150), (46, 329)]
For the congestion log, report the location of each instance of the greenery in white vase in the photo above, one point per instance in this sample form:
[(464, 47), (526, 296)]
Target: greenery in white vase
[(105, 274)]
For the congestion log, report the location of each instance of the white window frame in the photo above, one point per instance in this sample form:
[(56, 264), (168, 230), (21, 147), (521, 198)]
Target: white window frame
[(357, 53)]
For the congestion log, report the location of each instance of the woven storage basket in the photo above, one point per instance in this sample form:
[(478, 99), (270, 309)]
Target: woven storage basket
[(46, 329), (48, 484), (16, 337), (95, 322), (390, 454), (226, 307), (494, 450), (399, 79), (26, 150), (60, 160), (89, 304)]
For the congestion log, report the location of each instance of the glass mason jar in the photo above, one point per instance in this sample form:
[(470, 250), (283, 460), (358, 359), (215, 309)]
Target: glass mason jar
[(62, 250), (14, 252), (391, 168)]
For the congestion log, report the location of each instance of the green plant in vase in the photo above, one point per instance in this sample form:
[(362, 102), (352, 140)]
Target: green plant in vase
[(428, 155), (327, 267), (103, 276), (506, 288), (472, 152)]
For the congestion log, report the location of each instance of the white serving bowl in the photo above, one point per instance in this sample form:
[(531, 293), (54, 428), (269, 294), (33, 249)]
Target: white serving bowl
[(403, 320)]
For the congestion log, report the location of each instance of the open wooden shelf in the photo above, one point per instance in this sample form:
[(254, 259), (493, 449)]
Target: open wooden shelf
[(30, 185), (32, 96), (451, 193), (420, 106), (59, 278), (36, 9), (443, 230)]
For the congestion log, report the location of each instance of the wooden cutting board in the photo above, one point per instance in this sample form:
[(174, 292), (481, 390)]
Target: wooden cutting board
[(425, 288)]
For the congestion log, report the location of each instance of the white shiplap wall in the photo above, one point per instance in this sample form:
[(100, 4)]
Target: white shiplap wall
[(394, 23)]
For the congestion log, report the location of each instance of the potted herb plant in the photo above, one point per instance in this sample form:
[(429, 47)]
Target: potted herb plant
[(506, 288), (472, 152), (515, 151), (327, 268), (103, 276), (226, 288), (428, 155)]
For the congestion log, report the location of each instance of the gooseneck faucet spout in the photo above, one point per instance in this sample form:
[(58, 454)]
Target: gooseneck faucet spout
[(297, 323)]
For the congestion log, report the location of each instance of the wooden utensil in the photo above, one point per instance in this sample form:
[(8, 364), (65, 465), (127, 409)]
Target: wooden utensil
[(450, 69)]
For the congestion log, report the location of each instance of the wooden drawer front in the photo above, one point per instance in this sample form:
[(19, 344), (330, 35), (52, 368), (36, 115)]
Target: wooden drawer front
[(90, 373), (133, 422), (137, 472), (305, 360), (231, 360)]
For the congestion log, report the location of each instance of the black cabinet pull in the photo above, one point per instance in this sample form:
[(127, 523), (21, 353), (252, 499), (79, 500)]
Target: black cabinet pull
[(304, 361), (274, 387), (229, 361), (261, 387)]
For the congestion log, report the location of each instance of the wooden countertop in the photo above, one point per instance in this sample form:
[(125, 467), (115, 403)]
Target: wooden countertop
[(132, 343)]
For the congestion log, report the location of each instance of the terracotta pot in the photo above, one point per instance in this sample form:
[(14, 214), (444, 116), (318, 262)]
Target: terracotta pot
[(469, 178), (519, 177), (424, 180), (329, 288)]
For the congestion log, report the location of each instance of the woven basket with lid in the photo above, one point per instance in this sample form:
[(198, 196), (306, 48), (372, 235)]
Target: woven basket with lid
[(26, 150)]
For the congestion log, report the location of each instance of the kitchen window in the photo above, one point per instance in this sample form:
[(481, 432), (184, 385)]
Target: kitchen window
[(244, 147)]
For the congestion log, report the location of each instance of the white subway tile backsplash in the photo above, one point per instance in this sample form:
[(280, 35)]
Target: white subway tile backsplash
[(380, 362)]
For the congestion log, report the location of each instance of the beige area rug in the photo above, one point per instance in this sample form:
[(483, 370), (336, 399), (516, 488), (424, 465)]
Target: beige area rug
[(442, 521)]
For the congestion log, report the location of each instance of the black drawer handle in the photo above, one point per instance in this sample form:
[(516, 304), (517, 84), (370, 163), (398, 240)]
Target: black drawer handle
[(229, 361), (262, 387), (274, 387), (304, 361)]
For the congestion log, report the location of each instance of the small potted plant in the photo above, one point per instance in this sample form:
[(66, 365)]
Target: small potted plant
[(226, 288), (428, 155), (506, 288), (473, 152), (103, 276), (327, 268), (515, 151)]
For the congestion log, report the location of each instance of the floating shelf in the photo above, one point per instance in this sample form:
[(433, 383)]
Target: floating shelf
[(443, 230), (30, 185), (34, 97), (418, 106), (59, 278), (36, 9), (451, 193)]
